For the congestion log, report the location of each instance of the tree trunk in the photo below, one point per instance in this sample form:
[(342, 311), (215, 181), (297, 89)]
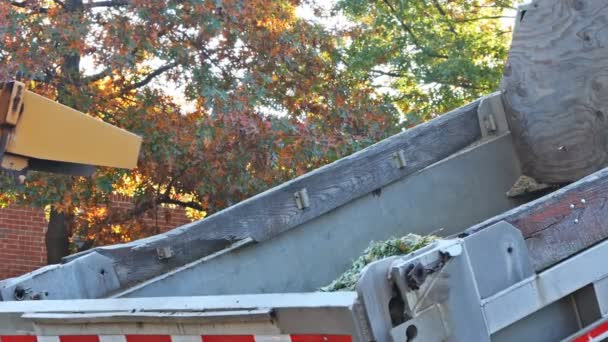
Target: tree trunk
[(58, 231), (57, 236), (555, 89)]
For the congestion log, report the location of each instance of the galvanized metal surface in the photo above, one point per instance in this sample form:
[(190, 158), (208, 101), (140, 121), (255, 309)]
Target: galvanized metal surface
[(498, 257), (442, 199), (491, 115), (600, 289), (330, 313), (427, 326), (380, 281), (487, 292), (449, 287), (549, 324), (532, 294), (90, 276)]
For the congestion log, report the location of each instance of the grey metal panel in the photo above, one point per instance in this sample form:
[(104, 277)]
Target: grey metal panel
[(444, 199), (465, 319), (292, 313), (88, 277), (600, 288), (499, 258), (450, 285), (427, 327), (550, 324), (586, 304), (377, 281), (535, 293)]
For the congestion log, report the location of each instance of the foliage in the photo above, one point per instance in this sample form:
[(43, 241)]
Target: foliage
[(374, 252), (200, 81), (434, 55)]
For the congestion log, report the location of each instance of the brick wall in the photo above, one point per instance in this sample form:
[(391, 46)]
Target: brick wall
[(22, 246), (21, 240)]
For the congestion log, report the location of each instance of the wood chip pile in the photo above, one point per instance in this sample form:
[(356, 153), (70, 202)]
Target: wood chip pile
[(375, 251)]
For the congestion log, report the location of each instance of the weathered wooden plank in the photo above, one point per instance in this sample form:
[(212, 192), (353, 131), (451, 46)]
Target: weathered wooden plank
[(274, 211), (555, 88), (563, 223)]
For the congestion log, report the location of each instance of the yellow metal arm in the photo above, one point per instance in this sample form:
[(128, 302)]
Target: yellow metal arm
[(47, 135)]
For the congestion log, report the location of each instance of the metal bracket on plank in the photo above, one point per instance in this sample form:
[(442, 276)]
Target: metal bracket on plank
[(11, 108), (302, 199), (491, 115), (164, 252), (399, 158), (12, 96)]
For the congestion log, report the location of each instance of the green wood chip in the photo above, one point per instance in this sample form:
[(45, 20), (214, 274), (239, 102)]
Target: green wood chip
[(375, 251)]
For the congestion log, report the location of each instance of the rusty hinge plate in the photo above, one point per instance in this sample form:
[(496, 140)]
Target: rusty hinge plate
[(11, 102)]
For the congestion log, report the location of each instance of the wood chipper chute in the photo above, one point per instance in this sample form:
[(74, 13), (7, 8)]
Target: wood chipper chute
[(40, 134)]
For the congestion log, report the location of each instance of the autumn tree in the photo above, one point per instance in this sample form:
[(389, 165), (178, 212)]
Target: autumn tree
[(267, 99), (432, 55)]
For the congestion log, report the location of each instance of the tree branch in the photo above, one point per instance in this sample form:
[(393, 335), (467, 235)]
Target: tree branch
[(460, 84), (387, 73), (110, 3), (495, 6), (411, 33), (109, 71), (484, 18), (143, 207), (445, 15), (190, 204), (94, 78), (150, 77)]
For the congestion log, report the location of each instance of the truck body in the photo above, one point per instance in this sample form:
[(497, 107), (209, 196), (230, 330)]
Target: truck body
[(525, 268), (507, 278)]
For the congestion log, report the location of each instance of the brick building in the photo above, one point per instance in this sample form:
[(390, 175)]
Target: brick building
[(22, 230)]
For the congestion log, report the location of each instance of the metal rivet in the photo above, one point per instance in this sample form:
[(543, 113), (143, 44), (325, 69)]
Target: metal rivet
[(302, 199), (490, 122), (164, 253), (575, 220), (399, 158), (583, 201), (571, 206)]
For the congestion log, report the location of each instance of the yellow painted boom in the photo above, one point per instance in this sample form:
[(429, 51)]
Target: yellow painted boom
[(42, 129)]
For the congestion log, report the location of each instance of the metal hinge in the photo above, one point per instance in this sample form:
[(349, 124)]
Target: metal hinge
[(11, 103), (302, 199), (491, 115)]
